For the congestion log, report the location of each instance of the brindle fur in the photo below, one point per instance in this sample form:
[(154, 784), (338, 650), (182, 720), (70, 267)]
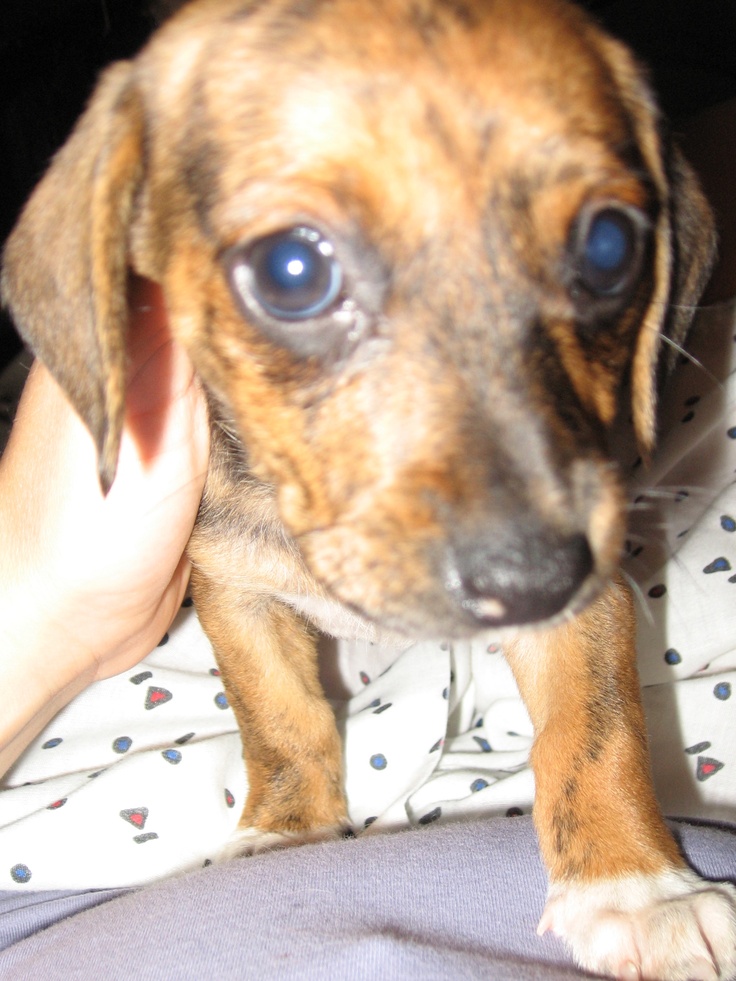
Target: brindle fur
[(463, 415)]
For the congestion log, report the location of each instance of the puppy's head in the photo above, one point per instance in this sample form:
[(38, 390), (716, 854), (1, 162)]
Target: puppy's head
[(416, 250)]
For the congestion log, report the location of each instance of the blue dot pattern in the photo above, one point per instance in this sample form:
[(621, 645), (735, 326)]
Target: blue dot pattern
[(21, 874), (685, 527), (721, 564)]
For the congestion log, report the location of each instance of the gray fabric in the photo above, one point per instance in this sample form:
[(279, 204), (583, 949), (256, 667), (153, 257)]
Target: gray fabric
[(452, 902), (22, 914)]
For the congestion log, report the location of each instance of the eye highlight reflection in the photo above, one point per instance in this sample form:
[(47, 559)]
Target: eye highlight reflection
[(292, 274)]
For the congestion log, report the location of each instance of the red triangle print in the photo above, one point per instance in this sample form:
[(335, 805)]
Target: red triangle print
[(157, 696), (707, 767), (137, 816)]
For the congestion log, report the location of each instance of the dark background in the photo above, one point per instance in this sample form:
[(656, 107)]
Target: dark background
[(52, 50)]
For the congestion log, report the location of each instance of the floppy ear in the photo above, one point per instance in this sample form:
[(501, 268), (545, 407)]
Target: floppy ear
[(684, 244), (65, 268), (693, 250)]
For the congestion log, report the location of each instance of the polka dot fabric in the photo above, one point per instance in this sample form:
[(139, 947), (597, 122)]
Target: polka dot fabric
[(131, 781), (683, 557), (141, 775)]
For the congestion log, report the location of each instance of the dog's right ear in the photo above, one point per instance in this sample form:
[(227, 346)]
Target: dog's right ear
[(65, 267)]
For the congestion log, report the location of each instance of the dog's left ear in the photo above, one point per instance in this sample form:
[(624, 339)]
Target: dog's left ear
[(684, 243), (693, 250), (65, 266)]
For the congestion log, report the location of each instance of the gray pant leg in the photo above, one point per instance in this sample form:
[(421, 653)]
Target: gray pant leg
[(459, 901)]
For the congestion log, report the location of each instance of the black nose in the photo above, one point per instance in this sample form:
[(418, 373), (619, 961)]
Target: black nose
[(519, 578)]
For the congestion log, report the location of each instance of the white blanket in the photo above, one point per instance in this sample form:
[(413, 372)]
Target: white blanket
[(141, 776)]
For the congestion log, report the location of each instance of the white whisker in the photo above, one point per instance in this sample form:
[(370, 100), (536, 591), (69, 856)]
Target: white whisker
[(639, 596), (683, 352)]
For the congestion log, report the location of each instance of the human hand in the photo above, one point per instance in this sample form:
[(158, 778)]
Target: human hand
[(89, 584)]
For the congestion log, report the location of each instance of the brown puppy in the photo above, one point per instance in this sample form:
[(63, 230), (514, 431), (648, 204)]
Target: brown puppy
[(416, 250)]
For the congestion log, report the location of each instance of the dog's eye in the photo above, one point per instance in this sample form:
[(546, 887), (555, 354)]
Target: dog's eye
[(293, 289), (294, 274), (608, 252)]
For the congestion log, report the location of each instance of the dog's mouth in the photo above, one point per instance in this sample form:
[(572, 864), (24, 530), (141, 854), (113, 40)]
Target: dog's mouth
[(493, 582), (451, 562)]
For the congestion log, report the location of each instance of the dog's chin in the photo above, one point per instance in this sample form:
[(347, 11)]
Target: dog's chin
[(448, 587), (447, 616)]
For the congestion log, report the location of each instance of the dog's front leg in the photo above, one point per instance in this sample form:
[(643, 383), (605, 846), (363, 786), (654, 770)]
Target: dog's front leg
[(292, 751), (620, 893)]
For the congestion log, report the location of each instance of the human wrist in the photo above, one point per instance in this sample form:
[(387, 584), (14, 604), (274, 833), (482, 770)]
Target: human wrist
[(40, 670)]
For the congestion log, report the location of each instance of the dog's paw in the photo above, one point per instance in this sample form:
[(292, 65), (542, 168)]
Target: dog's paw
[(670, 927), (250, 841)]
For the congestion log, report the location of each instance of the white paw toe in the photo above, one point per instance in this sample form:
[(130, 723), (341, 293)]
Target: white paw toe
[(251, 841), (670, 927)]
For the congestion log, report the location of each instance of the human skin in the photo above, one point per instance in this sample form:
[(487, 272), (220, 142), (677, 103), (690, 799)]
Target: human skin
[(89, 584)]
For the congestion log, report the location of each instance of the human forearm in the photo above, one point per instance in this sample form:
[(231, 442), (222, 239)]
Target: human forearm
[(89, 584)]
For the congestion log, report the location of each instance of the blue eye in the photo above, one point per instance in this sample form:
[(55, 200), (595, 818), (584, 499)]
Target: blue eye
[(609, 252), (294, 274)]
